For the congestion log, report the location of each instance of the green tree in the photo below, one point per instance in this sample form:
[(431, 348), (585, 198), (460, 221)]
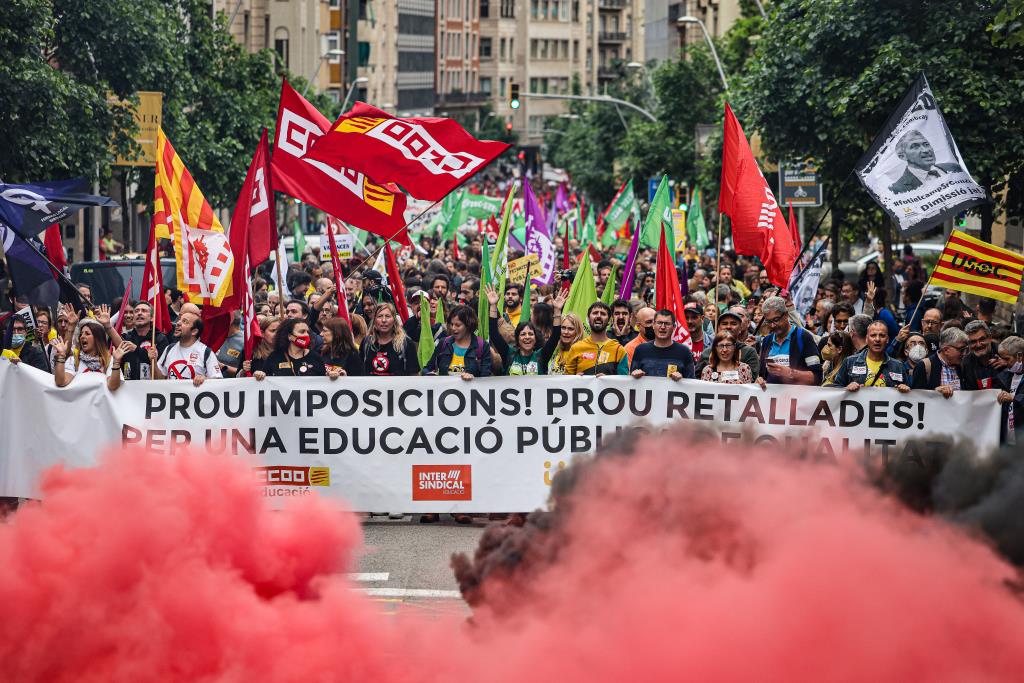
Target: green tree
[(827, 73)]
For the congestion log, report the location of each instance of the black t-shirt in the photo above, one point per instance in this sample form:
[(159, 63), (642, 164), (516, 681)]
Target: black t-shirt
[(280, 364), (658, 361), (386, 361), (137, 362), (352, 364)]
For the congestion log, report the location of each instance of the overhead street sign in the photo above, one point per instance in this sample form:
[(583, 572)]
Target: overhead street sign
[(798, 184)]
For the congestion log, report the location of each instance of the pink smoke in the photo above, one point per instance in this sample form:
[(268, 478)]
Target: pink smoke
[(668, 564)]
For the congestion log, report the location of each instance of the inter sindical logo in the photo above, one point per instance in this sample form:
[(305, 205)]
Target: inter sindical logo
[(442, 482)]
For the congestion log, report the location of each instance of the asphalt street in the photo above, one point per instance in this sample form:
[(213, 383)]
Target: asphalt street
[(406, 565)]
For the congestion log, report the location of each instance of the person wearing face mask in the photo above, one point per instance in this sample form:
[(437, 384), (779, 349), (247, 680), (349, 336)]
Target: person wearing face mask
[(23, 351), (645, 330), (916, 350), (293, 356), (1011, 395)]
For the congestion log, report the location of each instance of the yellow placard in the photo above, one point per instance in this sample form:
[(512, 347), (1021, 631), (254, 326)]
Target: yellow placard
[(517, 268), (679, 226), (148, 116)]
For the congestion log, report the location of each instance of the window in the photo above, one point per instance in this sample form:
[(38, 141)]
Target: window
[(334, 43), (501, 87), (511, 50), (364, 53), (508, 9), (485, 48), (485, 85), (575, 50), (485, 9), (502, 53), (281, 45)]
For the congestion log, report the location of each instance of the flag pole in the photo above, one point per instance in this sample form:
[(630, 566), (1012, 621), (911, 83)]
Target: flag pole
[(280, 281), (152, 322), (718, 258)]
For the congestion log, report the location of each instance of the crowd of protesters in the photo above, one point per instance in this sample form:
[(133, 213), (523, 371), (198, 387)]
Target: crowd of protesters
[(857, 334)]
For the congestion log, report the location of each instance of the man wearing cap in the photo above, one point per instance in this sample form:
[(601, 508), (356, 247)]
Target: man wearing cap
[(694, 323), (732, 321)]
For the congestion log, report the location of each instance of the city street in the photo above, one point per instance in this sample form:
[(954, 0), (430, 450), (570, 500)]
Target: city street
[(405, 565)]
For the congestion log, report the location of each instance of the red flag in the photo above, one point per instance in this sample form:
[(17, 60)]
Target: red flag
[(253, 221), (395, 280), (492, 227), (342, 192), (455, 250), (55, 247), (124, 306), (794, 231), (429, 157), (339, 281), (758, 228), (667, 293), (153, 283), (565, 255)]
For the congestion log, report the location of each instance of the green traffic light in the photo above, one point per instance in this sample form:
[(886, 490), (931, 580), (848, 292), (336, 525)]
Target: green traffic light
[(514, 104)]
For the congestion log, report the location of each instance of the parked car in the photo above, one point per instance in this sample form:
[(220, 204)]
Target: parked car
[(108, 279), (928, 252)]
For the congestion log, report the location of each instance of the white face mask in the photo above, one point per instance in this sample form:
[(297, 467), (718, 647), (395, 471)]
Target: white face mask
[(917, 353), (1017, 368)]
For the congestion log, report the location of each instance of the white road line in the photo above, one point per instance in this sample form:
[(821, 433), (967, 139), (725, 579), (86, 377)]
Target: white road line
[(409, 593), (369, 576)]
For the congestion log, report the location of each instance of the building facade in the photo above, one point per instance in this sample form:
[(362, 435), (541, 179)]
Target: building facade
[(396, 40), (662, 35)]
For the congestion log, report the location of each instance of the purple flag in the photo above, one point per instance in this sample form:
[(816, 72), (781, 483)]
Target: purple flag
[(538, 236), (561, 199), (629, 272)]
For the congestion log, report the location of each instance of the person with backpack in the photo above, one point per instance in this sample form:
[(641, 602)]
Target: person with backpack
[(462, 352), (789, 354), (187, 357)]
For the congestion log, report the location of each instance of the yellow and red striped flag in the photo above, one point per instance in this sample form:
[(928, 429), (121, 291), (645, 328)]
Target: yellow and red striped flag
[(969, 265), (201, 250)]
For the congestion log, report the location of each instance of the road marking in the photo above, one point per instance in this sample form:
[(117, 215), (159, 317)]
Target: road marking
[(369, 576), (409, 593)]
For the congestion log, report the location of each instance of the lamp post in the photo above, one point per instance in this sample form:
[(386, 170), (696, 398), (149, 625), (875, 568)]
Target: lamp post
[(330, 54), (351, 88), (637, 66), (707, 36)]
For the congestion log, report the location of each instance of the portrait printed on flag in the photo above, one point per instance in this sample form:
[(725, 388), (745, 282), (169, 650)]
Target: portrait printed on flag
[(914, 169)]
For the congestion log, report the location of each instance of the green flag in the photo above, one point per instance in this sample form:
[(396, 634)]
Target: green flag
[(439, 318), (696, 230), (659, 213), (590, 228), (621, 208), (483, 307), (610, 237), (610, 290), (451, 214), (519, 227), (583, 291), (479, 205), (499, 262), (299, 245), (524, 312), (425, 348)]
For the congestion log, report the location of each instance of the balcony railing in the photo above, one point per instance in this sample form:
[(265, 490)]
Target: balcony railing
[(443, 99), (611, 4), (611, 37)]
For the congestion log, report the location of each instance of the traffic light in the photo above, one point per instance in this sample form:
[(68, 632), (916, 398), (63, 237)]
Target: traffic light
[(513, 95), (508, 125)]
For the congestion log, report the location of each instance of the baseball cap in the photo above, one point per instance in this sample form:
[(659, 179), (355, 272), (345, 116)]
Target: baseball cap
[(730, 314), (692, 306)]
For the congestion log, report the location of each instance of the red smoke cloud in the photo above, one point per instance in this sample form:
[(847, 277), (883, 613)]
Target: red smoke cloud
[(666, 564)]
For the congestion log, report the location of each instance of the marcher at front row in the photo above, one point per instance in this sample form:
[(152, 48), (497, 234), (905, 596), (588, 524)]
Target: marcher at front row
[(463, 353), (292, 355), (872, 367), (789, 355), (1011, 396), (663, 357)]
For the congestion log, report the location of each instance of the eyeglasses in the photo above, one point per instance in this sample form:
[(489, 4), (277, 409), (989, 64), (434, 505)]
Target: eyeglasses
[(961, 348), (726, 345), (664, 323), (773, 321)]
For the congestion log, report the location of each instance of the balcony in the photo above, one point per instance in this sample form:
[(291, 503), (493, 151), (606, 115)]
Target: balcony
[(611, 37), (611, 4), (606, 74), (460, 98)]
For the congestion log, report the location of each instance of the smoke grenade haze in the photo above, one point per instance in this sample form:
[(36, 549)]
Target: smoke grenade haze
[(670, 558)]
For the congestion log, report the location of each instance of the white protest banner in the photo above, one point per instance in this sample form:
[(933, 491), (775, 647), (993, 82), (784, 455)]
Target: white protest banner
[(417, 444), (344, 241)]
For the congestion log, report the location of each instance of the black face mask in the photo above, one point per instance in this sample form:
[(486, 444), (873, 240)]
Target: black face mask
[(647, 332)]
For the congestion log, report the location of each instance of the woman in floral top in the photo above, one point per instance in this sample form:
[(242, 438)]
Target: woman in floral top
[(724, 367)]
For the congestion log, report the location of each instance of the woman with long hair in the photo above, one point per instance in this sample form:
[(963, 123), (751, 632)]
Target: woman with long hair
[(462, 352), (339, 349), (724, 365), (838, 347), (268, 326), (293, 356), (387, 351), (523, 356), (359, 330), (567, 330), (91, 353)]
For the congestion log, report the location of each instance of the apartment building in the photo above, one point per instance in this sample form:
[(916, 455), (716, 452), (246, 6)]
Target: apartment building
[(457, 75), (396, 43), (305, 34), (663, 37)]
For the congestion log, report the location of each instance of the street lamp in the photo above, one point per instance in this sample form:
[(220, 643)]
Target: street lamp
[(351, 88), (637, 66), (330, 54), (714, 53)]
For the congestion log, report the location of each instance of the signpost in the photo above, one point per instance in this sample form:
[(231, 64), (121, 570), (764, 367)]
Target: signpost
[(799, 187)]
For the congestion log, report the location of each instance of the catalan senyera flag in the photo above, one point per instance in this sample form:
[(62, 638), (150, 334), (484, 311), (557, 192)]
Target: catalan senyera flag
[(201, 250), (969, 265)]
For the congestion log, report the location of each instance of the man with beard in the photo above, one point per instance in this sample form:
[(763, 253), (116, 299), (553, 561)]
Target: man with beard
[(137, 362), (663, 357), (982, 364), (733, 322), (621, 330), (187, 357), (513, 303), (645, 330), (597, 354)]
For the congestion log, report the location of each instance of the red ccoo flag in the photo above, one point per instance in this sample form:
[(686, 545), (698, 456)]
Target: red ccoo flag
[(758, 228), (429, 157), (252, 221), (342, 192), (667, 293), (153, 282), (794, 231)]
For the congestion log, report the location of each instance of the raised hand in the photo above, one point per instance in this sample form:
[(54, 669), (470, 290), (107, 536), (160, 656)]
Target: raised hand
[(59, 346), (492, 294), (560, 299), (103, 315), (121, 350)]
